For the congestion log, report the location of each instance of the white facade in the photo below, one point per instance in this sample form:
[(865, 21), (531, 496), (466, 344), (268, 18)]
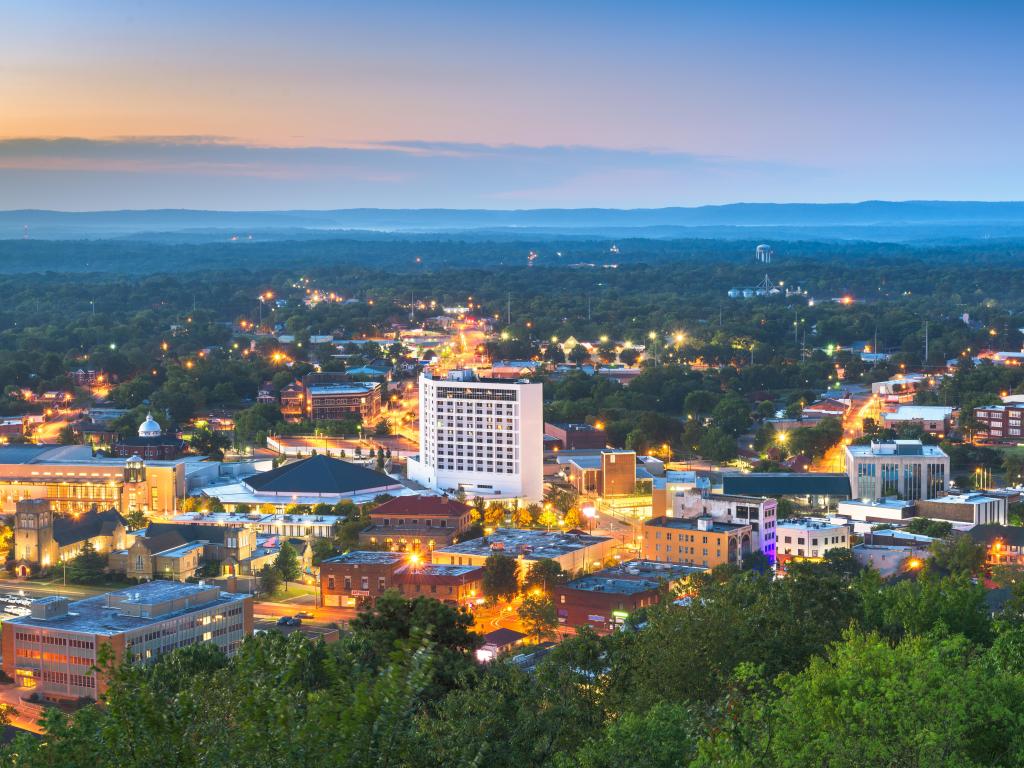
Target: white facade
[(811, 536), (906, 469), (485, 436)]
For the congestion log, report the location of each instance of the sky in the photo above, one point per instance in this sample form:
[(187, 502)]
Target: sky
[(286, 105)]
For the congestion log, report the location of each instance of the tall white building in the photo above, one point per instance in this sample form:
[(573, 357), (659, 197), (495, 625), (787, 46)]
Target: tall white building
[(482, 435)]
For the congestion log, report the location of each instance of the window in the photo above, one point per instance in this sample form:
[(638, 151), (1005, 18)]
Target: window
[(348, 583), (330, 582)]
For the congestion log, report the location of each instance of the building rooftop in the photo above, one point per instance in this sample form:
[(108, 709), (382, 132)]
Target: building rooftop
[(517, 541), (810, 523), (367, 557), (965, 498), (351, 388), (611, 585), (895, 448), (126, 610), (319, 475), (434, 573), (919, 412), (417, 506), (70, 529), (691, 524), (182, 550), (889, 502), (787, 484)]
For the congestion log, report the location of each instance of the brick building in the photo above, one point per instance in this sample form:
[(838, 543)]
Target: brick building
[(53, 649), (413, 523), (603, 600), (571, 437), (999, 423), (459, 585), (331, 397), (358, 578)]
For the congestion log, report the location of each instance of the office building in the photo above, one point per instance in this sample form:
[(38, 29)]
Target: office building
[(999, 423), (53, 650), (809, 538), (484, 436), (571, 437), (331, 397), (966, 509), (700, 541), (904, 468)]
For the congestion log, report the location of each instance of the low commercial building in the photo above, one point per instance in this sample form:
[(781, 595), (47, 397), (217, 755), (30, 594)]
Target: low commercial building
[(358, 578), (810, 538), (573, 551), (414, 523), (53, 650), (867, 511), (457, 585), (933, 419), (181, 551), (603, 600), (814, 487), (905, 468), (700, 541), (966, 508)]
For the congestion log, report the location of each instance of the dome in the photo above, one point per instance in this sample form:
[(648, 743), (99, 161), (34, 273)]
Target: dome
[(149, 428)]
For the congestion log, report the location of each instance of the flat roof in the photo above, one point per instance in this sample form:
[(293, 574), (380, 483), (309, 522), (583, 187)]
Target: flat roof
[(101, 616), (342, 389), (889, 502), (787, 483), (182, 550), (690, 524), (367, 557), (923, 412), (513, 541), (896, 448), (611, 585), (965, 498), (809, 523)]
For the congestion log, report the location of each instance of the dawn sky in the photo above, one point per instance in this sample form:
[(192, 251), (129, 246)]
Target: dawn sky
[(252, 105)]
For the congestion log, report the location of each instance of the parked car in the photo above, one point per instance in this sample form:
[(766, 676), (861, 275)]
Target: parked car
[(284, 621), (303, 615)]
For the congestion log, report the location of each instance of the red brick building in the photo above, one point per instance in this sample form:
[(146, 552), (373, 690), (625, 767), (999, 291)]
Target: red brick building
[(358, 578), (571, 437), (603, 600), (460, 585), (331, 397), (413, 523), (1000, 423)]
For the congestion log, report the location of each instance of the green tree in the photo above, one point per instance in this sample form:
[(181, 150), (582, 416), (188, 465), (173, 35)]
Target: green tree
[(287, 564), (136, 520), (539, 616), (500, 578), (87, 567), (545, 574), (270, 580)]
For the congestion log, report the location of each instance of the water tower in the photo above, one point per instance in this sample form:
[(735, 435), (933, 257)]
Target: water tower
[(763, 254)]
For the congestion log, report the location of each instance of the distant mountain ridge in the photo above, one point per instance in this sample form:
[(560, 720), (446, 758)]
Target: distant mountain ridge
[(868, 220)]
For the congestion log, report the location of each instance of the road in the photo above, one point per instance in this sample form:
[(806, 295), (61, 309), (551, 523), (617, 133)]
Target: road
[(834, 459)]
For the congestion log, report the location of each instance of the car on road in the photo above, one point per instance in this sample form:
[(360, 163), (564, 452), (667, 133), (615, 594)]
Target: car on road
[(284, 621), (303, 615)]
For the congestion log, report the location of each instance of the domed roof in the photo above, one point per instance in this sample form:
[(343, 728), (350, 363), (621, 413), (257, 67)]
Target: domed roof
[(149, 428)]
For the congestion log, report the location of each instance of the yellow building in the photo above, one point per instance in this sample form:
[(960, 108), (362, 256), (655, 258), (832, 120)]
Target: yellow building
[(700, 541)]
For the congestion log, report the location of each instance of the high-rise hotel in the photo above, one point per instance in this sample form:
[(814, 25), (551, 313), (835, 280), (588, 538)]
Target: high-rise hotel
[(484, 436)]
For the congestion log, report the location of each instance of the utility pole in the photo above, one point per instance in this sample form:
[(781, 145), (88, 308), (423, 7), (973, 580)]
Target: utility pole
[(926, 342), (588, 308), (508, 310)]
